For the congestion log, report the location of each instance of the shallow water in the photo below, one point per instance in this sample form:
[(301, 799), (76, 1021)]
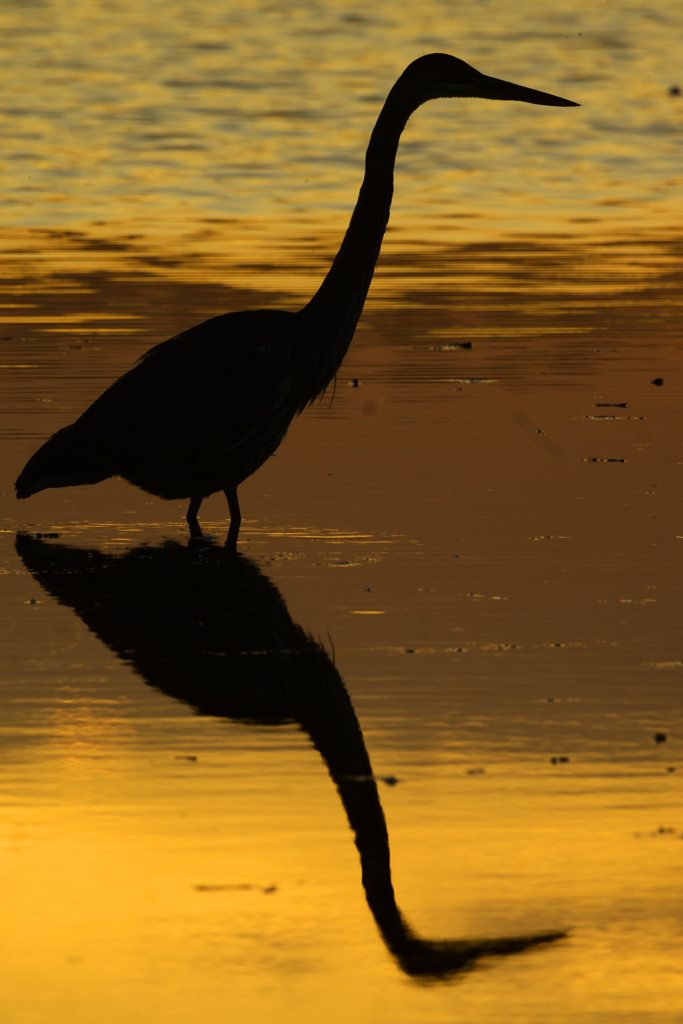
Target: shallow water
[(437, 698), (484, 544)]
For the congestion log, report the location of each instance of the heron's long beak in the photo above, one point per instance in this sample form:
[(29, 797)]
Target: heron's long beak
[(496, 89)]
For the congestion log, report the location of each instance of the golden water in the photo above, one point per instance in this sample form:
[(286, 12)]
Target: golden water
[(474, 550)]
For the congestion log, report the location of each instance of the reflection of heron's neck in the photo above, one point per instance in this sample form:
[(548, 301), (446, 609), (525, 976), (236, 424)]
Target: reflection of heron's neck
[(330, 720), (331, 316)]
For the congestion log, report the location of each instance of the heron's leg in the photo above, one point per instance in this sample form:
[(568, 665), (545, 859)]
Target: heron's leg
[(235, 516), (234, 505), (195, 502)]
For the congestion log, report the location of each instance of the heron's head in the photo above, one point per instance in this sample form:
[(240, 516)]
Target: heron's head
[(439, 75)]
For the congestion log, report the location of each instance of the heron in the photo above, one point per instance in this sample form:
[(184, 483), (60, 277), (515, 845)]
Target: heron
[(201, 412)]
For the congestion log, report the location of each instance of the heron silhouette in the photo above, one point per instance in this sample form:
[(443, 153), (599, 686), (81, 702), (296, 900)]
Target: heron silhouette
[(202, 411)]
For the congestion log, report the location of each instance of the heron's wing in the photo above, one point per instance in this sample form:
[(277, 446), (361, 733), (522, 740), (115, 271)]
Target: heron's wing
[(222, 389)]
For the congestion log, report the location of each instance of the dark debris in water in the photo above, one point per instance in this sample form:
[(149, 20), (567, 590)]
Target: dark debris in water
[(451, 346), (267, 890), (663, 830), (389, 780)]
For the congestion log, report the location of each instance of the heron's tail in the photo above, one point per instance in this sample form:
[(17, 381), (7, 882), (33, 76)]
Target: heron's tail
[(66, 459)]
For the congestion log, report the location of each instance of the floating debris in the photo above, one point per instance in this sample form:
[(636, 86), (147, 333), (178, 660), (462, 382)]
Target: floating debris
[(451, 347), (661, 831), (389, 780), (267, 890)]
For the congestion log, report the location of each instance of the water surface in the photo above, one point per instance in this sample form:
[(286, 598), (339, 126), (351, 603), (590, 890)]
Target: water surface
[(415, 755)]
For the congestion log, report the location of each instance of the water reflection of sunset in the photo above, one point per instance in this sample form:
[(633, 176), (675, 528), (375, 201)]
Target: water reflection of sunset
[(480, 531), (266, 112)]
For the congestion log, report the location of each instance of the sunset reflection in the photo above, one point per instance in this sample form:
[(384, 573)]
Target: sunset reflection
[(478, 527), (209, 629)]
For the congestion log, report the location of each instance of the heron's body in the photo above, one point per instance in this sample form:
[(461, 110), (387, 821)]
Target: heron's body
[(201, 412), (194, 414)]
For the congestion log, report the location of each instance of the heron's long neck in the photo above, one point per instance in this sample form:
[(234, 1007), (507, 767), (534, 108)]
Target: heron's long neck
[(331, 316)]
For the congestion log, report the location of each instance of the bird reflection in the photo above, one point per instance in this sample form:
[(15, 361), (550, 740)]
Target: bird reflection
[(208, 628)]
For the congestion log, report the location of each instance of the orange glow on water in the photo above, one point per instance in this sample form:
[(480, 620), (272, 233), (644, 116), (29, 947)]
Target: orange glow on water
[(454, 631)]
